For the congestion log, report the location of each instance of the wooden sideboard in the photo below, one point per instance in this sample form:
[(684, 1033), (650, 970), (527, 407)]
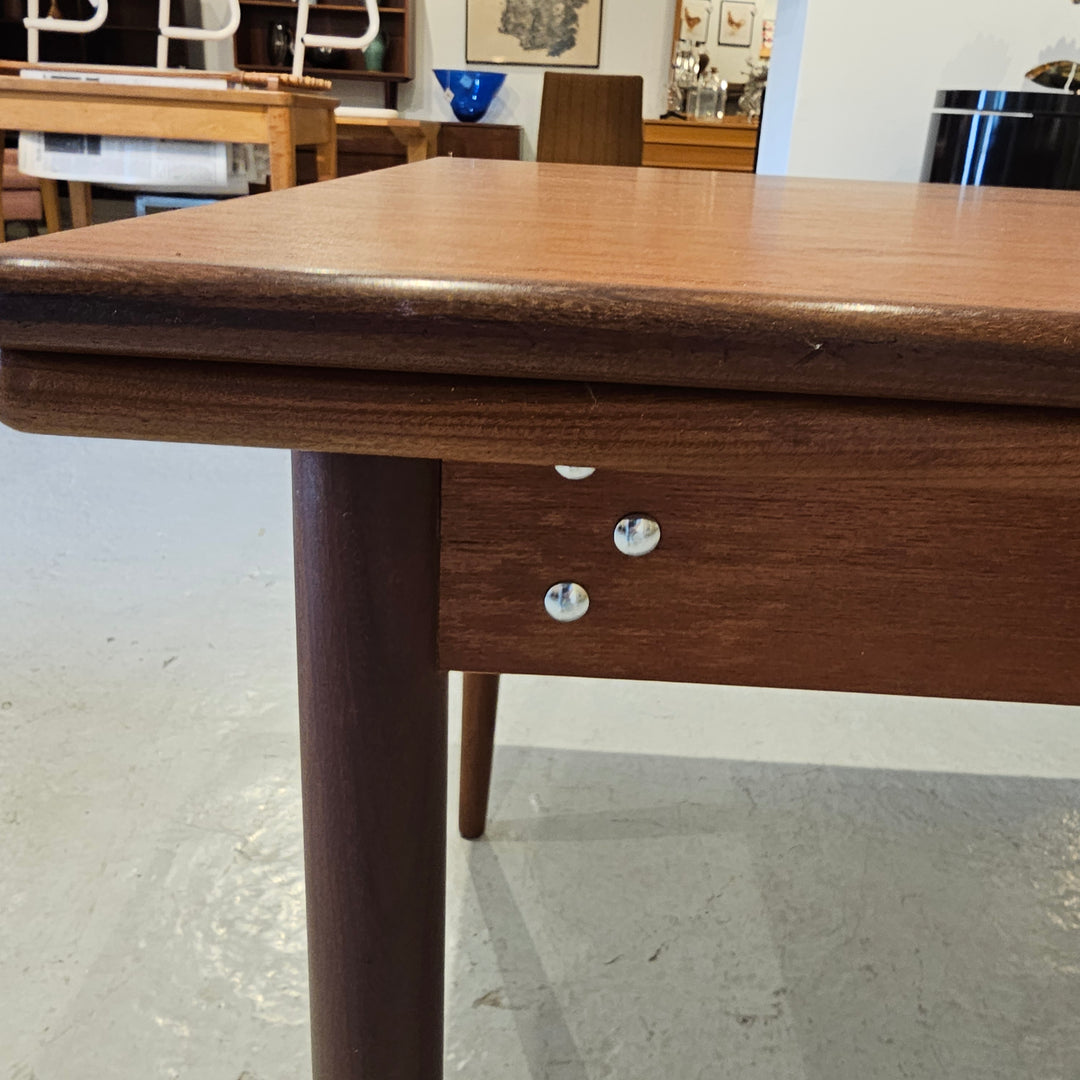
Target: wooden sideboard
[(362, 150), (692, 144)]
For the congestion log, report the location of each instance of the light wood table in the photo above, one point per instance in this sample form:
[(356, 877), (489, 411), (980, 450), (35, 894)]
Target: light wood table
[(730, 145), (419, 137), (282, 119), (853, 408)]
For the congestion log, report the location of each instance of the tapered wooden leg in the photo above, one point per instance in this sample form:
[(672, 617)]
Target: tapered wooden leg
[(479, 703), (373, 757), (50, 202), (282, 142), (326, 159), (82, 205)]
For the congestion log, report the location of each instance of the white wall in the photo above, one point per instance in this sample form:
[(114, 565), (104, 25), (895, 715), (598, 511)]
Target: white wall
[(852, 98)]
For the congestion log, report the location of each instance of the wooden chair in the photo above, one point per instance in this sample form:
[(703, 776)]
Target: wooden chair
[(26, 198), (584, 120), (590, 119)]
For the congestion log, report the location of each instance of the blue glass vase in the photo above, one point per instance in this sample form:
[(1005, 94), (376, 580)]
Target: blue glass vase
[(469, 92)]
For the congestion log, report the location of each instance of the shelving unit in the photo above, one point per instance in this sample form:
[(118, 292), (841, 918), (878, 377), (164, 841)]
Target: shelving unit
[(130, 37), (252, 42)]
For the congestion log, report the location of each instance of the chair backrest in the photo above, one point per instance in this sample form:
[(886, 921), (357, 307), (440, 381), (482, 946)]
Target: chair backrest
[(167, 32), (35, 23), (330, 41), (590, 119)]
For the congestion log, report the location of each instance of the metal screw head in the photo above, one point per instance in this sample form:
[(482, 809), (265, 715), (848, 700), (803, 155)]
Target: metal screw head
[(566, 602), (637, 535), (574, 472)]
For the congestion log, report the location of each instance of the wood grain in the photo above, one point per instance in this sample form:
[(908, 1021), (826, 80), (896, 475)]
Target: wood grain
[(885, 587), (753, 436), (373, 756), (686, 144), (590, 119), (664, 277)]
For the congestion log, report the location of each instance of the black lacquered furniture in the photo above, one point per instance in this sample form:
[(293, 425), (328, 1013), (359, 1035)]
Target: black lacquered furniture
[(1004, 138)]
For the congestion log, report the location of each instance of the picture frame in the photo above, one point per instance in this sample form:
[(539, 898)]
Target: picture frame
[(538, 33), (693, 21), (736, 23)]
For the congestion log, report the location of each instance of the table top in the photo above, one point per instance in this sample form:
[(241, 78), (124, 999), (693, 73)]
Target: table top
[(586, 273), (59, 89)]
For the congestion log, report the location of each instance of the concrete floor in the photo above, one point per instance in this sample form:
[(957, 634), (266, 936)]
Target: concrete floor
[(689, 882)]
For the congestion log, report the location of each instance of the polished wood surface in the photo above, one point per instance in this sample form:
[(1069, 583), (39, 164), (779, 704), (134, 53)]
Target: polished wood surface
[(881, 586), (373, 758), (683, 278), (689, 144)]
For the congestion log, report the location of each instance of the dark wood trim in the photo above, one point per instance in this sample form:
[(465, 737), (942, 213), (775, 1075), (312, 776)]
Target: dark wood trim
[(882, 586), (518, 421)]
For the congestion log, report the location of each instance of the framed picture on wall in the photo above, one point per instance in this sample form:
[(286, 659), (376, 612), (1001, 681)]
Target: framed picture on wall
[(736, 23), (547, 33), (693, 20)]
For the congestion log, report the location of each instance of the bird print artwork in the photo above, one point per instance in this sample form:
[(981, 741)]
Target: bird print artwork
[(736, 23), (694, 16)]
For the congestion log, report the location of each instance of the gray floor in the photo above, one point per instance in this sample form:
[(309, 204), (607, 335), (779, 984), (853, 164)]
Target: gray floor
[(679, 881)]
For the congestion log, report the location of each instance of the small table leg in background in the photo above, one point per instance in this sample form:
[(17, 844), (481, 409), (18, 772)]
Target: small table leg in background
[(82, 212), (50, 202), (282, 143), (326, 159), (373, 758)]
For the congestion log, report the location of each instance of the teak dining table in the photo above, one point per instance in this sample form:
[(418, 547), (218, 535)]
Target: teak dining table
[(850, 408)]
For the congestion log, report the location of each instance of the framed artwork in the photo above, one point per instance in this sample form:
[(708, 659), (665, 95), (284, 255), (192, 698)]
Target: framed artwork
[(545, 33), (693, 20), (736, 23)]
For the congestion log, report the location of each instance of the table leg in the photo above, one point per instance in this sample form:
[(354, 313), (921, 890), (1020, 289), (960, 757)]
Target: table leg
[(279, 129), (82, 210), (50, 202), (479, 704), (373, 758), (431, 129), (326, 163), (3, 220)]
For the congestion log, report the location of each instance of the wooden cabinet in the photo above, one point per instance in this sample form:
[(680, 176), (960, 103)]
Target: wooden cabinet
[(362, 150), (502, 141), (346, 18), (730, 146)]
